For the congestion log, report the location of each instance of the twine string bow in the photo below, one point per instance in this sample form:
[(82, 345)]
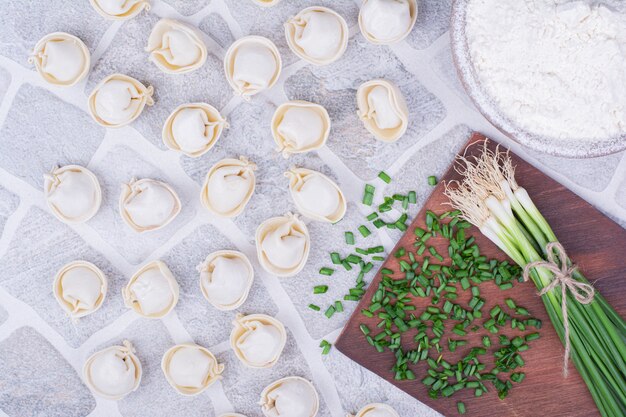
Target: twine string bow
[(563, 270)]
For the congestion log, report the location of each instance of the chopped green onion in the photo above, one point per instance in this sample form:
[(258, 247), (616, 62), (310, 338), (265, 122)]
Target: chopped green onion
[(364, 231), (383, 176), (327, 271), (314, 307), (432, 180), (349, 238), (320, 289)]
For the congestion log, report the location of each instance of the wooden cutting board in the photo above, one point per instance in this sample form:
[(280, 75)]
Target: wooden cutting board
[(593, 241)]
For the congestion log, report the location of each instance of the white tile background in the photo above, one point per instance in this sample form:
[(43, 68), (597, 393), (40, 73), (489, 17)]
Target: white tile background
[(42, 352)]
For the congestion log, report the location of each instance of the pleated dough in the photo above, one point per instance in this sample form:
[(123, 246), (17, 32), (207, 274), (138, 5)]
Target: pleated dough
[(258, 340), (118, 100), (80, 288), (176, 48), (383, 110), (225, 279), (252, 64), (152, 292), (318, 35), (190, 369), (384, 22), (61, 59), (193, 129), (114, 372), (315, 195), (228, 186), (72, 193), (292, 396), (147, 205), (283, 245), (300, 126), (119, 9)]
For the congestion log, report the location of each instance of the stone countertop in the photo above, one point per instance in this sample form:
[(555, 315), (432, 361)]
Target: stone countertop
[(42, 351)]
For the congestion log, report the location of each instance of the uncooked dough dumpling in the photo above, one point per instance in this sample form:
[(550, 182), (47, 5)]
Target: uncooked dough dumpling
[(190, 369), (290, 397), (176, 48), (72, 193), (147, 205), (225, 279), (119, 9), (383, 110), (192, 129), (315, 195), (300, 126), (283, 245), (118, 100), (61, 59), (252, 64), (258, 340), (228, 186), (114, 372), (80, 288), (152, 291), (318, 35), (385, 22)]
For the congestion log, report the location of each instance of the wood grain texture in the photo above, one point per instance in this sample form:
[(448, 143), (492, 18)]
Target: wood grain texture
[(593, 241)]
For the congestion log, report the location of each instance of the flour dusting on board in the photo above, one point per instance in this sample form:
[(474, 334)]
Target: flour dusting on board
[(556, 68)]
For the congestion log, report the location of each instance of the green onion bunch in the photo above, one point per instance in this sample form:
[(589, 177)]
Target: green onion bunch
[(489, 197)]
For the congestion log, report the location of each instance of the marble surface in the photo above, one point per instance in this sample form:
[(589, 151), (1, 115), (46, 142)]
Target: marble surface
[(42, 352)]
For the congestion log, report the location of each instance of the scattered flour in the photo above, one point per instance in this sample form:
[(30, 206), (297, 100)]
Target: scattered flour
[(556, 68)]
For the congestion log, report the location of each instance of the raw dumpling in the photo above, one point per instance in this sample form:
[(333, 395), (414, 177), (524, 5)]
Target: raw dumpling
[(385, 22), (147, 205), (252, 64), (315, 195), (318, 35), (290, 397), (119, 9), (266, 3), (80, 288), (193, 129), (152, 291), (190, 369), (282, 245), (225, 279), (61, 59), (118, 100), (114, 372), (258, 340), (73, 193), (300, 126), (175, 47), (228, 186), (376, 410), (383, 110)]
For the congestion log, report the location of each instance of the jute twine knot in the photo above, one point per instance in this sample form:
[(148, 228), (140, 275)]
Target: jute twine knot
[(562, 276)]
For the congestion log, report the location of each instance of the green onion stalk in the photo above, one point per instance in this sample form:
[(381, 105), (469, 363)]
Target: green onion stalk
[(489, 197)]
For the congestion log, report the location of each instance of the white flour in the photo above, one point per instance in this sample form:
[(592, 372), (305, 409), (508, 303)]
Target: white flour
[(556, 68)]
